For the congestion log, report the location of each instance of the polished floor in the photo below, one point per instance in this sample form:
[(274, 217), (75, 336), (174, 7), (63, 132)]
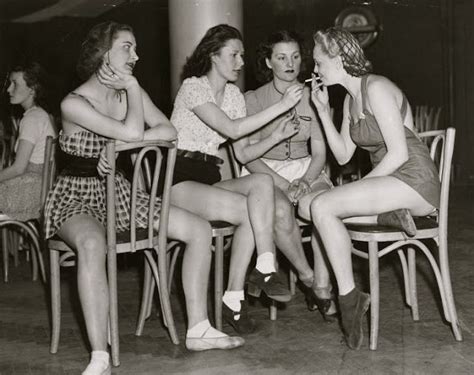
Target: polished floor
[(298, 342)]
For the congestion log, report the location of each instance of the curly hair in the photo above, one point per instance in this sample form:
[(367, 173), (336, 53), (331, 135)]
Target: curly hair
[(199, 63), (35, 78), (98, 41), (338, 42), (264, 51)]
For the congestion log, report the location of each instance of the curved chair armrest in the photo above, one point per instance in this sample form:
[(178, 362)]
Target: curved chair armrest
[(133, 145)]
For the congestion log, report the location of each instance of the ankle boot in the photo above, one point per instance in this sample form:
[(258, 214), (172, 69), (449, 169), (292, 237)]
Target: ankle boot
[(400, 219), (353, 307)]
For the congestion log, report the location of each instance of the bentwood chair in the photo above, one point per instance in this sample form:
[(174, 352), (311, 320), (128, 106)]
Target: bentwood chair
[(11, 229), (383, 240), (131, 241), (222, 238)]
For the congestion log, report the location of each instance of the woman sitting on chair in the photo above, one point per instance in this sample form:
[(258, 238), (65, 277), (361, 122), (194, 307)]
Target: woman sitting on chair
[(110, 104), (282, 151), (20, 183), (208, 109), (403, 181)]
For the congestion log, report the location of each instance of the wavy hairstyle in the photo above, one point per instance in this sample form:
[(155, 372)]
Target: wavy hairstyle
[(264, 51), (199, 63), (36, 79), (98, 41), (338, 42)]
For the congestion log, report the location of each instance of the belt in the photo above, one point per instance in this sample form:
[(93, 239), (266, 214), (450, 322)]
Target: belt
[(197, 155), (79, 167)]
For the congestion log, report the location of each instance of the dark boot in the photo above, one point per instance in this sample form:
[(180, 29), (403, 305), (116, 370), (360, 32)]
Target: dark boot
[(272, 285), (400, 219), (353, 307)]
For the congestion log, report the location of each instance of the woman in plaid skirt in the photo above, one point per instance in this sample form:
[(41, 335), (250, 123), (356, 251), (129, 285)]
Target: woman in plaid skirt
[(111, 104)]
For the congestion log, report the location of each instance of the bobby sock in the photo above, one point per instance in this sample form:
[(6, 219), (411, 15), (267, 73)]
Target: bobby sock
[(232, 300), (266, 263), (204, 330)]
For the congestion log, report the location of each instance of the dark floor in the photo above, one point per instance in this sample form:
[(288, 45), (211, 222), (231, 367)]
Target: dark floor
[(298, 342)]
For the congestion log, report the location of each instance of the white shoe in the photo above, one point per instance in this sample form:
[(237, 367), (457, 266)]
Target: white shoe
[(97, 368)]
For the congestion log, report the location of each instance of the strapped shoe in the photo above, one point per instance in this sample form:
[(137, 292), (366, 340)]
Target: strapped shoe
[(271, 284), (244, 324), (400, 219), (198, 344), (326, 306)]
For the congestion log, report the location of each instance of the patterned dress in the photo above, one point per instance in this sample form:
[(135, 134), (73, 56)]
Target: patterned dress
[(72, 195)]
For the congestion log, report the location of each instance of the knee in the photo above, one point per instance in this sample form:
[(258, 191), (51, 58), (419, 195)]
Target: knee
[(284, 215), (199, 233), (320, 209), (91, 249), (263, 184)]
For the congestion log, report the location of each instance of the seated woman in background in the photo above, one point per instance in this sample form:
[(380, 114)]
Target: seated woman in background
[(208, 109), (111, 104), (282, 150), (20, 183), (404, 179)]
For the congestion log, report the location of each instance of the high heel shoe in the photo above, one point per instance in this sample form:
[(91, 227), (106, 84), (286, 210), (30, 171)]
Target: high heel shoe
[(270, 283), (353, 307), (400, 219), (199, 344), (326, 306), (244, 324)]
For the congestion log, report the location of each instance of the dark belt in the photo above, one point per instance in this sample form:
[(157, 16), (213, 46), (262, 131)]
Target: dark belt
[(79, 167), (197, 155)]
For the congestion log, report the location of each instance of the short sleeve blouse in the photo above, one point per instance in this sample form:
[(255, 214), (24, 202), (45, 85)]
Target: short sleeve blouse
[(34, 127), (194, 134)]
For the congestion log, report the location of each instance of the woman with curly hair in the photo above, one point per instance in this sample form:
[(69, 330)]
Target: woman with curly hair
[(110, 104), (208, 110), (403, 181), (294, 158), (20, 183)]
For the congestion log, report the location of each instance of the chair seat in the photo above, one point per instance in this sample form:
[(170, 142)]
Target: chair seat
[(426, 227), (222, 228), (123, 241)]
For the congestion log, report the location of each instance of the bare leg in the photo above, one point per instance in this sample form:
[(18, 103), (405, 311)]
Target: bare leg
[(86, 235), (361, 198), (214, 203)]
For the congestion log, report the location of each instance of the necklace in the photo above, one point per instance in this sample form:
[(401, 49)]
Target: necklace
[(276, 89)]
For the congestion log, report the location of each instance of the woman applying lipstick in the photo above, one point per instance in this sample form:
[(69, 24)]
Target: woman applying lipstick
[(208, 110), (283, 152)]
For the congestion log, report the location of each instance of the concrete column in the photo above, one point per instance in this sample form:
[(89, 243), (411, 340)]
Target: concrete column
[(188, 22)]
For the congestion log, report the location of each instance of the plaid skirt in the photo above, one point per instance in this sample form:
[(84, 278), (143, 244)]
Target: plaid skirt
[(72, 195)]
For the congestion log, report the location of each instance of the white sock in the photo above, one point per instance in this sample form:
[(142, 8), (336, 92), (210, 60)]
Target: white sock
[(204, 330), (99, 362), (266, 263), (232, 299)]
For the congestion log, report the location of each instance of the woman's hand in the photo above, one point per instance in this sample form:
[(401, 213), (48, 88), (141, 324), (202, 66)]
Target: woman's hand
[(292, 96), (319, 96), (114, 78), (286, 128), (297, 189)]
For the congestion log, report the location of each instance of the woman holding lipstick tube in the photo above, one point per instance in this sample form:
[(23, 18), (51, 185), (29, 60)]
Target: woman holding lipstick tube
[(295, 158)]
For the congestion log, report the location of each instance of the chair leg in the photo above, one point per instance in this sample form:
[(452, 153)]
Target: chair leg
[(37, 248), (374, 294), (55, 289), (293, 280), (5, 254), (161, 276), (218, 280), (406, 276), (444, 266), (147, 281), (273, 310), (412, 279), (113, 305)]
